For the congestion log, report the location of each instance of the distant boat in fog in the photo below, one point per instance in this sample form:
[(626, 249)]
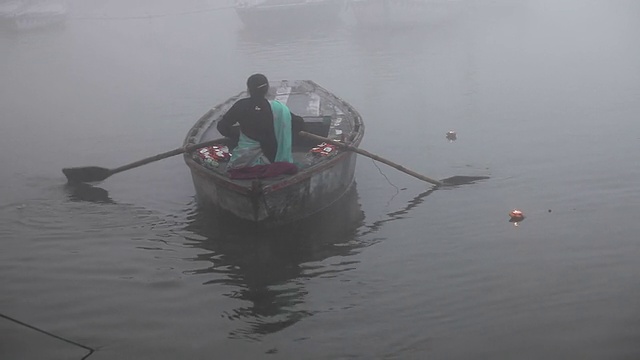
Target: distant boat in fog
[(281, 13), (32, 14), (401, 12)]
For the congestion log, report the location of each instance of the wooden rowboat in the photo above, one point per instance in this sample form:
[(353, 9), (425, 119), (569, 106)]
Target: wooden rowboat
[(320, 181)]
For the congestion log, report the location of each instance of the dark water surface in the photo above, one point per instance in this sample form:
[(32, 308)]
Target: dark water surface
[(544, 96)]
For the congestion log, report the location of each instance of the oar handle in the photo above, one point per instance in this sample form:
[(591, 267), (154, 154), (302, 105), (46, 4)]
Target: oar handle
[(164, 155), (372, 156)]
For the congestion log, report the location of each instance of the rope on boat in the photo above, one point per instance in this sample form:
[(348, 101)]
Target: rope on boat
[(91, 351), (390, 183), (153, 16), (385, 176)]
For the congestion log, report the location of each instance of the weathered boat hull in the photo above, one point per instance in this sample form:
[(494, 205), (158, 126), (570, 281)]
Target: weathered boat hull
[(279, 206), (332, 225), (288, 198)]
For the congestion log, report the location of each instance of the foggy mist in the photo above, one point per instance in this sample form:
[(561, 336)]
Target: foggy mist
[(544, 96)]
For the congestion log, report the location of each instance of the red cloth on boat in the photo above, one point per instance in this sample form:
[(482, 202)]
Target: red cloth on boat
[(263, 171)]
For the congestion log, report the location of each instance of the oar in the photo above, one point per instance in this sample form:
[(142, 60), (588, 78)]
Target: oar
[(96, 173), (372, 156)]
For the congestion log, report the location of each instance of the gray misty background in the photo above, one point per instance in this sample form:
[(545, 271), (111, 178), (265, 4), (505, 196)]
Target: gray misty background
[(544, 96)]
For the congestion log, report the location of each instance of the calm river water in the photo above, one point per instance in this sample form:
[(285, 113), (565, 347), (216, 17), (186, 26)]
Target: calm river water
[(543, 94)]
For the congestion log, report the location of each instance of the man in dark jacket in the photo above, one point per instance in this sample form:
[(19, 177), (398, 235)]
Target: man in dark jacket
[(256, 119)]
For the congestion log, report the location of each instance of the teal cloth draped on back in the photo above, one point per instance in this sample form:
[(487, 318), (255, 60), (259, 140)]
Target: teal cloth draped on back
[(282, 127), (249, 153)]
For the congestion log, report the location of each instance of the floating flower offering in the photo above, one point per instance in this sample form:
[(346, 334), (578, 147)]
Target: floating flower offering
[(516, 215), (451, 135)]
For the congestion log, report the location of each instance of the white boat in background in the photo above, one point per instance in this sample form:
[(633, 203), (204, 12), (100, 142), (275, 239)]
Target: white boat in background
[(401, 12), (281, 13), (32, 14), (8, 9)]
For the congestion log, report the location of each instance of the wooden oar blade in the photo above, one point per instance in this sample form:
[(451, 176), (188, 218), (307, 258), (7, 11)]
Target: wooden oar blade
[(86, 174), (462, 180)]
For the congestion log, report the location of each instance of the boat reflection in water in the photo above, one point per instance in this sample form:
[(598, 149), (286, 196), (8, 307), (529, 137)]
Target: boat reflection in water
[(266, 267), (449, 183)]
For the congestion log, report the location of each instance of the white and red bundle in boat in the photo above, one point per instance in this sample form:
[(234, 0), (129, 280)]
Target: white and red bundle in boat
[(324, 149), (216, 153)]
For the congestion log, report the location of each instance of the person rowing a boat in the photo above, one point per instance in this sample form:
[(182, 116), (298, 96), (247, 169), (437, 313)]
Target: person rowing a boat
[(266, 127)]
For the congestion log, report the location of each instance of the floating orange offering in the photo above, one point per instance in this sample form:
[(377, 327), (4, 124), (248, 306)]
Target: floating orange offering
[(516, 215)]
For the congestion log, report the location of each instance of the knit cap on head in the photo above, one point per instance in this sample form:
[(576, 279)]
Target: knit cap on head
[(257, 84)]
